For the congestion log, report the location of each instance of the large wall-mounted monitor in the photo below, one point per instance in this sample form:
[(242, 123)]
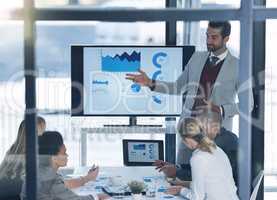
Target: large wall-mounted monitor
[(99, 87)]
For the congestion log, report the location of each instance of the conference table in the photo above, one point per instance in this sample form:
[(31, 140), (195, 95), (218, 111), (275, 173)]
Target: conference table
[(116, 177)]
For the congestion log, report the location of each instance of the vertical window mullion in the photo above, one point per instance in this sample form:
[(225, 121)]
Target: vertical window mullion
[(30, 100)]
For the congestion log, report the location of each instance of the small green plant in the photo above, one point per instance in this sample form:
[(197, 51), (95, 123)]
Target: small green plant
[(136, 187)]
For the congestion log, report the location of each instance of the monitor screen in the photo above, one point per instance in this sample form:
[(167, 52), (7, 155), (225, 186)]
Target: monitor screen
[(99, 86), (142, 152)]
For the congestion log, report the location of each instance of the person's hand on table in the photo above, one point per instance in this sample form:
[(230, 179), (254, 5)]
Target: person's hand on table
[(92, 173), (169, 170), (103, 196), (174, 190), (177, 182), (160, 163)]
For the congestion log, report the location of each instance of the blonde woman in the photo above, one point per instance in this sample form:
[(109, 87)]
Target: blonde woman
[(12, 168), (212, 177)]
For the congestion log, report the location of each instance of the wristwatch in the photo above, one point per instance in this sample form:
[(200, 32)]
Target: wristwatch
[(153, 85)]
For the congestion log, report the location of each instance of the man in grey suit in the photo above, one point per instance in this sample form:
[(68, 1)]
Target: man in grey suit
[(210, 79)]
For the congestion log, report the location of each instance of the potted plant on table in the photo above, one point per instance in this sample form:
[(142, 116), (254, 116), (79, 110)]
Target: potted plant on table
[(136, 188)]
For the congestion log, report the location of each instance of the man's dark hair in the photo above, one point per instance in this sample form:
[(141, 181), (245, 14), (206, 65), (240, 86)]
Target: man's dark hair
[(50, 143), (225, 27), (210, 114)]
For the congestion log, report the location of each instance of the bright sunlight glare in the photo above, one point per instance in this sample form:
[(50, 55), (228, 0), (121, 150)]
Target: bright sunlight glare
[(10, 4), (6, 6)]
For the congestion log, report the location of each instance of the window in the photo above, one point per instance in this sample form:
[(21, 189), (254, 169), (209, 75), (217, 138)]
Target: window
[(11, 82), (271, 3), (54, 73), (270, 98), (54, 86), (220, 3), (102, 3)]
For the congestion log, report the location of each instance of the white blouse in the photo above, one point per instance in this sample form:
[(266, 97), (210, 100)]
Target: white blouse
[(212, 177)]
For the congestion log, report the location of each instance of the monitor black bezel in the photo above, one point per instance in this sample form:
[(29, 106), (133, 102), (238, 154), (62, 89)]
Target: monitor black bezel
[(126, 161)]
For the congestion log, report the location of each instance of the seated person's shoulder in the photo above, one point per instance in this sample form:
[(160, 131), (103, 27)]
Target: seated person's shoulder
[(226, 140), (229, 134), (47, 174)]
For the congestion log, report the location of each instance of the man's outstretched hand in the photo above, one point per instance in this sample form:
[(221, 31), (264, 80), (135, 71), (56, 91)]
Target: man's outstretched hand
[(140, 78)]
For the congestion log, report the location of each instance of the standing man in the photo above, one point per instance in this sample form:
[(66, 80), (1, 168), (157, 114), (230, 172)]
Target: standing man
[(209, 79)]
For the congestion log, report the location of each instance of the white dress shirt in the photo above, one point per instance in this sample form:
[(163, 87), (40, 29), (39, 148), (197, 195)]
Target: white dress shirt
[(220, 57), (212, 177)]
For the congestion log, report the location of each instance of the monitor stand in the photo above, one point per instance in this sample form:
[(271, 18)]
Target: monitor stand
[(133, 123)]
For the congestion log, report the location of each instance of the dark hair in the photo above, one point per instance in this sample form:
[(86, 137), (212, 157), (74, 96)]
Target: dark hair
[(210, 114), (224, 26), (50, 143)]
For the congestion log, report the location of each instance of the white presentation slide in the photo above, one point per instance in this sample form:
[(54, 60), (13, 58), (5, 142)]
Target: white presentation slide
[(143, 152), (107, 92)]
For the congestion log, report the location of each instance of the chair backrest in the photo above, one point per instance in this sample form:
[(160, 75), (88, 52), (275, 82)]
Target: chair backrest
[(10, 189), (256, 184)]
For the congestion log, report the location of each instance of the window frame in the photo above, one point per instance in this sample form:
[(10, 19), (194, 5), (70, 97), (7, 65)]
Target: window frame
[(246, 14)]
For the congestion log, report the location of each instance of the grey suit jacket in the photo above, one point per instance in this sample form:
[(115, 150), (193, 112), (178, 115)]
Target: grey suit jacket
[(52, 187), (224, 92)]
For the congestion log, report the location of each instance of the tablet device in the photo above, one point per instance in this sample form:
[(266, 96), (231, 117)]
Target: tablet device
[(142, 152)]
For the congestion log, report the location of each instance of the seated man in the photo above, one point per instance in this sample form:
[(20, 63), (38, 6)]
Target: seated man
[(211, 125)]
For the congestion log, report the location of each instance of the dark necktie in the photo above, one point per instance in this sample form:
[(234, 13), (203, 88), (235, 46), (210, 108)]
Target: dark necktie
[(213, 60)]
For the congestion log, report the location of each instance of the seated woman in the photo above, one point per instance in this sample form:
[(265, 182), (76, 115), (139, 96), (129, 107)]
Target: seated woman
[(212, 177), (12, 168), (211, 124), (51, 186)]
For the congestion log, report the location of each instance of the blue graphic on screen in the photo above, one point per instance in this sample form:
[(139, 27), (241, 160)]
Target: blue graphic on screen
[(139, 146), (158, 57), (156, 74), (151, 151), (100, 82), (157, 99), (135, 87), (121, 63)]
